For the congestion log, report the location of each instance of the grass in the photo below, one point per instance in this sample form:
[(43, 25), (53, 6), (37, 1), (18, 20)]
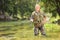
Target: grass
[(23, 30)]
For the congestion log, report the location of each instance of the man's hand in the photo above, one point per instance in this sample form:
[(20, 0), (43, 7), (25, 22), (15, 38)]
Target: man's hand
[(31, 20), (44, 20)]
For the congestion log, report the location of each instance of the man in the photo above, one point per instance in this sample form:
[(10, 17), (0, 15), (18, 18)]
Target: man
[(39, 19)]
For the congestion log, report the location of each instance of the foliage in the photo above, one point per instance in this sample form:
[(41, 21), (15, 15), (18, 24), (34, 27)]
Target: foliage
[(52, 6), (25, 7)]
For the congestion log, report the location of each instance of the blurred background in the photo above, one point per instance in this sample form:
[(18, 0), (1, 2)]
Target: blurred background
[(15, 19)]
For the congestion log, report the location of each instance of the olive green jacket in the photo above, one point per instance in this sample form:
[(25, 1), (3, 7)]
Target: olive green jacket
[(37, 18)]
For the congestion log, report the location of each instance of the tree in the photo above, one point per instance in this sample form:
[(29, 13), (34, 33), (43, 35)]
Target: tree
[(26, 6), (53, 6)]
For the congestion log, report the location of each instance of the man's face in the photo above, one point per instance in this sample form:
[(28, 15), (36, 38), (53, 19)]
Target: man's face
[(37, 8)]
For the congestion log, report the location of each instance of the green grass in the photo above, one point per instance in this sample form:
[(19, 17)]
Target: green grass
[(24, 30)]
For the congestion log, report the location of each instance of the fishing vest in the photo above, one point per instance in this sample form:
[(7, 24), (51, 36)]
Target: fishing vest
[(37, 18)]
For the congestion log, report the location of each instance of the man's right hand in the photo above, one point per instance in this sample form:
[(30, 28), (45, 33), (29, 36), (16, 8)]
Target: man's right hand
[(31, 20)]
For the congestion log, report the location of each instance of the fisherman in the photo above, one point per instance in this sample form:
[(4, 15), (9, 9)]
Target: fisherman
[(39, 19)]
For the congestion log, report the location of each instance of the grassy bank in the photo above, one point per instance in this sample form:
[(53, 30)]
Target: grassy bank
[(23, 30)]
